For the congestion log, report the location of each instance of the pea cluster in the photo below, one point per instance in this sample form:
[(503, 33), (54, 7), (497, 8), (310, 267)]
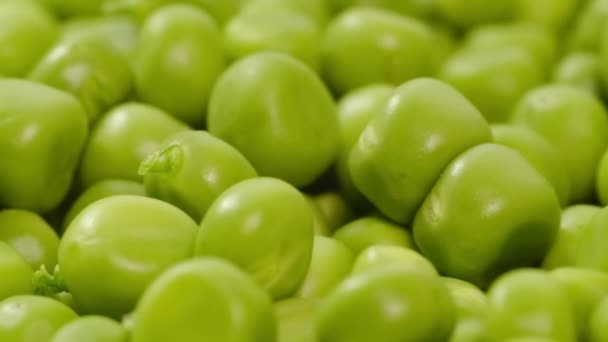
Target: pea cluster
[(303, 170)]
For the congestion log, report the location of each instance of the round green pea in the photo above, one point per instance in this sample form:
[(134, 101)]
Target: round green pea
[(191, 169), (278, 114), (264, 226), (370, 231), (204, 299), (330, 263), (519, 298), (91, 329), (366, 45), (116, 246), (122, 138), (576, 123), (539, 153), (598, 322), (388, 304), (274, 29), (591, 250), (16, 273), (579, 69), (296, 319), (492, 79), (406, 146), (102, 189), (355, 111), (90, 69), (31, 236), (27, 31), (583, 288), (378, 256), (178, 59), (573, 224), (27, 318), (514, 211), (42, 135)]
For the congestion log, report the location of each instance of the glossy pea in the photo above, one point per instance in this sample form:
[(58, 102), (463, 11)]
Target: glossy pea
[(27, 318), (90, 69), (514, 211), (389, 304), (426, 123), (369, 231), (91, 329), (576, 123), (264, 226), (204, 299), (29, 29), (191, 169), (31, 236), (178, 59), (573, 224), (115, 247), (40, 143), (122, 138), (278, 114), (16, 273), (366, 45), (102, 189)]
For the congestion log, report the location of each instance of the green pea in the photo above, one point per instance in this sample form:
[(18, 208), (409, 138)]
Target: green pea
[(16, 274), (273, 29), (264, 226), (530, 303), (316, 10), (576, 123), (472, 306), (580, 69), (99, 190), (573, 224), (492, 79), (92, 329), (191, 169), (122, 138), (598, 322), (554, 15), (179, 58), (278, 114), (355, 111), (539, 153), (584, 289), (389, 304), (27, 31), (378, 256), (31, 236), (334, 209), (467, 13), (204, 299), (330, 263), (588, 28), (426, 123), (370, 231), (537, 42), (42, 134), (28, 318), (88, 68), (296, 319), (365, 45), (591, 251), (514, 211), (115, 247), (119, 32)]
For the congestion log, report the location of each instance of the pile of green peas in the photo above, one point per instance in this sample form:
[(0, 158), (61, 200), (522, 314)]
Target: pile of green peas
[(303, 170)]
